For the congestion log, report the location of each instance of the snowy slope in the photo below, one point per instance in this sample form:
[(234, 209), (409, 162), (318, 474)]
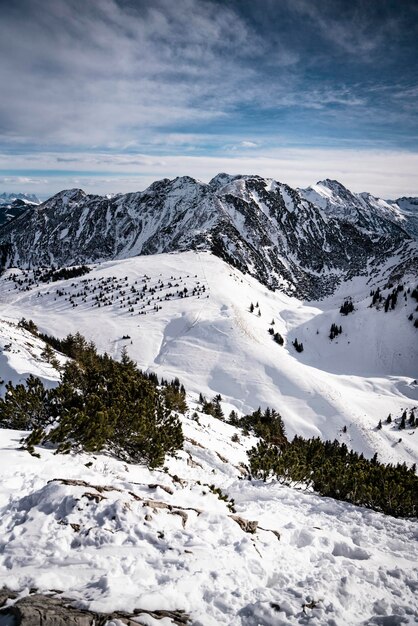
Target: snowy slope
[(214, 344), (21, 355)]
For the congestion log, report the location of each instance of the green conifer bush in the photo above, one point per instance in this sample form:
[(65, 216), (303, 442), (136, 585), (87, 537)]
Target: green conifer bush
[(99, 404)]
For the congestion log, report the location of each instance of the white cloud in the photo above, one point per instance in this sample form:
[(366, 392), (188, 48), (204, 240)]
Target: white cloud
[(387, 174), (112, 75), (248, 144), (88, 84), (95, 73), (21, 182)]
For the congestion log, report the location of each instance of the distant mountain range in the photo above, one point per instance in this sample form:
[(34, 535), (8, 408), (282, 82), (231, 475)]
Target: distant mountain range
[(9, 198), (302, 241), (14, 204)]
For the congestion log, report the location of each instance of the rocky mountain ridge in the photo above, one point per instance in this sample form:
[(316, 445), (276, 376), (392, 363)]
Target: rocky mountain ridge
[(363, 209), (304, 242)]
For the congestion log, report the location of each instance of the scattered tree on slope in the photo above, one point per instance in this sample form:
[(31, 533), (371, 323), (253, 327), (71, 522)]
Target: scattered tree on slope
[(347, 307)]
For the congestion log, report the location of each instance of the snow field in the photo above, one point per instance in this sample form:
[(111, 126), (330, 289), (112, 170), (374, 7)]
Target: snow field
[(116, 536), (215, 345)]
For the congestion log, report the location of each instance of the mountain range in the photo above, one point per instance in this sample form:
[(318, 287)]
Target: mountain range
[(213, 285), (304, 242)]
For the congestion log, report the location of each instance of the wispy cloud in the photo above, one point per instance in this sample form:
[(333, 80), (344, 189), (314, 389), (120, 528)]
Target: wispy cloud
[(385, 173), (18, 181), (352, 27), (99, 72)]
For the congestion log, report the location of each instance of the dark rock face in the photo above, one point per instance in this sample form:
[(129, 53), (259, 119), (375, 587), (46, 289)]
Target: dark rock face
[(47, 610), (263, 227)]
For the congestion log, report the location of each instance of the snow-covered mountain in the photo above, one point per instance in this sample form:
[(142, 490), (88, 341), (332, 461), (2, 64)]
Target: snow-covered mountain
[(369, 213), (409, 208), (14, 204), (260, 226), (114, 538)]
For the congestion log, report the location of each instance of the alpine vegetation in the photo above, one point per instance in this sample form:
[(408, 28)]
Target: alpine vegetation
[(99, 404)]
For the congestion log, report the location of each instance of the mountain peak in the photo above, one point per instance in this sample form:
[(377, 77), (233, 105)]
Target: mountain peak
[(222, 179), (333, 185), (68, 195), (258, 225)]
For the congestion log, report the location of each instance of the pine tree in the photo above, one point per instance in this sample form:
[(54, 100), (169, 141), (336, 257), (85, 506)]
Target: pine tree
[(28, 325), (298, 346), (278, 338), (347, 307), (376, 296), (26, 406)]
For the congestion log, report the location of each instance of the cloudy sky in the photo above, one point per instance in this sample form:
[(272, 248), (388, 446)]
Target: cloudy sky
[(109, 95)]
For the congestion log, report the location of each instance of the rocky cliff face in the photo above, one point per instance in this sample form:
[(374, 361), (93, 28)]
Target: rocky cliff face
[(302, 241)]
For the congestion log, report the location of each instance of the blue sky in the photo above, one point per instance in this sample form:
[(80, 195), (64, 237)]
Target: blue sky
[(111, 95)]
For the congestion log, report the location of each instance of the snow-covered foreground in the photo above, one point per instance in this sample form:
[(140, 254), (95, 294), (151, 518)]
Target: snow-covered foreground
[(212, 342), (116, 536)]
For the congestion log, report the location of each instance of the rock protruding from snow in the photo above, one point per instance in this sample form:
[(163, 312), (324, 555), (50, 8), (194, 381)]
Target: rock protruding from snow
[(38, 609), (12, 205)]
